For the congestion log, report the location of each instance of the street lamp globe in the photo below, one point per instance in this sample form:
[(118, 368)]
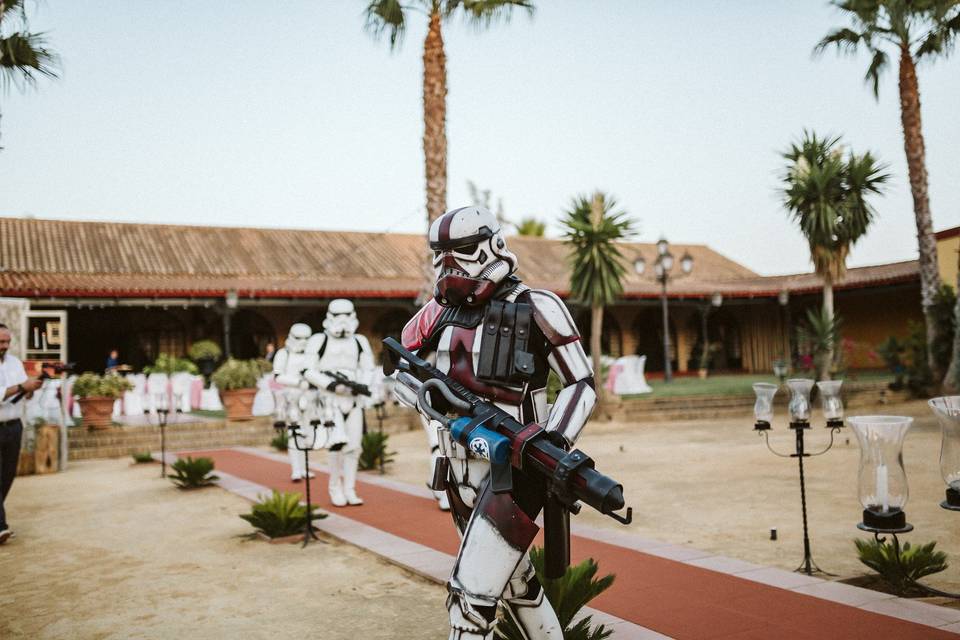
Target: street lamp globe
[(640, 265), (686, 262), (666, 261), (662, 246)]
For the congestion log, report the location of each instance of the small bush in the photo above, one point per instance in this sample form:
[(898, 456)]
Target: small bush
[(142, 457), (237, 374), (171, 364), (192, 473), (914, 563), (373, 450), (279, 442), (280, 514), (204, 350), (567, 595), (90, 385)]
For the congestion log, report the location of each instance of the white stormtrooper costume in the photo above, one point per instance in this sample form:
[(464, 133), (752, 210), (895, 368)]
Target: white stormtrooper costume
[(500, 339), (341, 350), (289, 365)]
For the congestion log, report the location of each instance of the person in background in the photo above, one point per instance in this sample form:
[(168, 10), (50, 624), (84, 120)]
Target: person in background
[(113, 360), (269, 352), (14, 386)]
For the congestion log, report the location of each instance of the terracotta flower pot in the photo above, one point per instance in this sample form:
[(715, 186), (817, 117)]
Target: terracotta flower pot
[(97, 411), (238, 403)]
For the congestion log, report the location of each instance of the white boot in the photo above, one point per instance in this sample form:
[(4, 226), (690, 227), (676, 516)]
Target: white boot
[(297, 466), (335, 486), (442, 500), (350, 462)]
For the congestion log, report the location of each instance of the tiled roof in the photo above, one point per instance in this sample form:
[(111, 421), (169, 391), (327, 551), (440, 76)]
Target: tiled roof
[(41, 258)]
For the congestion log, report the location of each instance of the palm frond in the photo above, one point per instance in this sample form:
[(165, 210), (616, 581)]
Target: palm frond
[(482, 13), (386, 16), (877, 64), (24, 59)]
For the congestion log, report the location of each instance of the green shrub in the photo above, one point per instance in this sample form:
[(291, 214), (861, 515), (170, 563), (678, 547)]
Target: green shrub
[(204, 350), (89, 385), (914, 563), (374, 450), (170, 364), (279, 442), (192, 473), (142, 457), (891, 351), (280, 514), (567, 595), (237, 374)]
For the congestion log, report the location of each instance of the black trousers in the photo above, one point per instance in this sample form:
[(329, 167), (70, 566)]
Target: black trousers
[(10, 435)]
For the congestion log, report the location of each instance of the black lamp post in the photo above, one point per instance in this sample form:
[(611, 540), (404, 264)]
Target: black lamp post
[(799, 408), (661, 268), (714, 303)]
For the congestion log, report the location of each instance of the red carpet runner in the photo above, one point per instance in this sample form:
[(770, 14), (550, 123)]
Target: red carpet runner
[(673, 598)]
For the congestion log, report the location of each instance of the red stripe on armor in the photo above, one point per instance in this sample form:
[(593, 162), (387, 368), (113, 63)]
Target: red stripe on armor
[(568, 410), (420, 326), (444, 231), (461, 370), (516, 527), (564, 368), (520, 441)]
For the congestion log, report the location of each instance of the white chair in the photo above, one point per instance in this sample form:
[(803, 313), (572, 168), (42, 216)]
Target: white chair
[(180, 388), (133, 400), (157, 384), (630, 378), (210, 399), (263, 402)]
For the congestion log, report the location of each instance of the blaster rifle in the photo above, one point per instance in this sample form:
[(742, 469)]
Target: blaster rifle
[(47, 371), (357, 388), (490, 432)]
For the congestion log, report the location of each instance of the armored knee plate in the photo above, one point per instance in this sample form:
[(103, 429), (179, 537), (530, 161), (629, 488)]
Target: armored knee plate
[(471, 616)]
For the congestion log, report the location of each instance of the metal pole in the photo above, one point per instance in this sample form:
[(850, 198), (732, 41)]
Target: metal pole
[(64, 438), (807, 565), (667, 371), (226, 332)]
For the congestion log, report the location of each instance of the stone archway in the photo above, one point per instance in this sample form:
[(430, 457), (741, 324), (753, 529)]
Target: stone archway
[(249, 334), (648, 329)]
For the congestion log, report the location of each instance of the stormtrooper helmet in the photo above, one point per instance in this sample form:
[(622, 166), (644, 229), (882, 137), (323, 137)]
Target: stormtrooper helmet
[(341, 320), (297, 337), (470, 256)]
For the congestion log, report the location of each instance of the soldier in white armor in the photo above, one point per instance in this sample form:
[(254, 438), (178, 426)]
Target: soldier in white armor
[(499, 339), (289, 365), (340, 351)]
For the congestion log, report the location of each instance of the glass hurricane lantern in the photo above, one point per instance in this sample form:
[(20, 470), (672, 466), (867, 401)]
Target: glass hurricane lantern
[(882, 480), (947, 410), (763, 407)]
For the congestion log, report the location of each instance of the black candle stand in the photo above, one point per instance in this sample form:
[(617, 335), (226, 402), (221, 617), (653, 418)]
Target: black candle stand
[(295, 435), (808, 566)]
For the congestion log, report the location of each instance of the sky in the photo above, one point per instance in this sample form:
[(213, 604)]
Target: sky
[(289, 114)]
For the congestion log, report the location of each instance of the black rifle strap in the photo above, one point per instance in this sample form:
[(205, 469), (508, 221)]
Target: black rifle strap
[(488, 343)]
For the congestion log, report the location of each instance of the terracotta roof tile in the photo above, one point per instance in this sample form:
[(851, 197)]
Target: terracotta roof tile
[(41, 258)]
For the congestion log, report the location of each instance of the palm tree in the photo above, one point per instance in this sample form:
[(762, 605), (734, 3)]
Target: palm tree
[(391, 16), (23, 55), (825, 190), (915, 29), (592, 230), (531, 227)]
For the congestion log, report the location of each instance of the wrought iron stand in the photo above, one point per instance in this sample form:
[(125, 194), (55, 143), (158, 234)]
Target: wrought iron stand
[(808, 566), (294, 429)]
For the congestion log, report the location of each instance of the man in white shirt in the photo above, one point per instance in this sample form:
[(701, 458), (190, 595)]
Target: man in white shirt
[(14, 386)]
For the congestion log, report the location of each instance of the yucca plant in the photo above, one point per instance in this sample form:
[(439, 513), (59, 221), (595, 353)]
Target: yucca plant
[(279, 442), (142, 457), (192, 473), (373, 453), (280, 514), (821, 334), (901, 574), (568, 595)]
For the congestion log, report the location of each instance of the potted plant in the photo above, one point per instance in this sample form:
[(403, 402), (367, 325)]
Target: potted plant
[(97, 394), (169, 365), (237, 382), (206, 354)]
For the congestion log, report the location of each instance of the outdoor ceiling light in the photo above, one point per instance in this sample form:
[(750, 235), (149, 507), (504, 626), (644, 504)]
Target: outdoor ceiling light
[(640, 265), (831, 402), (686, 262), (882, 480), (799, 406), (716, 299), (662, 246), (947, 410), (232, 299), (763, 407), (783, 297)]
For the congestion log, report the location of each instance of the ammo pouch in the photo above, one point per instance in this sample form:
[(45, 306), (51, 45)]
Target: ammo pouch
[(503, 346)]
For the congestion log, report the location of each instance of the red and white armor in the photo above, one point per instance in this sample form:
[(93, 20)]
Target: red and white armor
[(501, 340), (339, 349)]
